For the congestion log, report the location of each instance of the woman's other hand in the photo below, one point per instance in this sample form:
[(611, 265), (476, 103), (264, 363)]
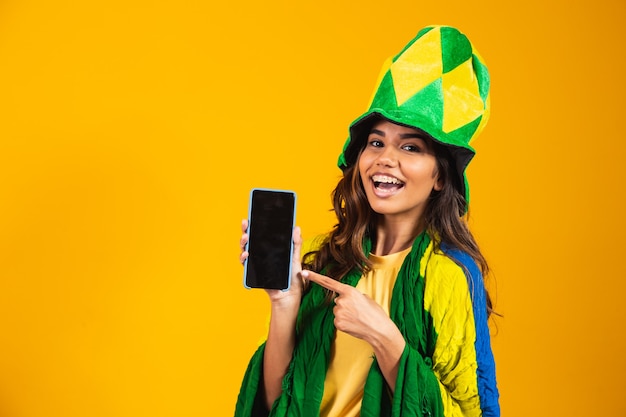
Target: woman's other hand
[(358, 315), (355, 313)]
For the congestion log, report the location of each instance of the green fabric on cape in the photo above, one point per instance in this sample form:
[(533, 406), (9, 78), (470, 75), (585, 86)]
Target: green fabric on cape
[(417, 389)]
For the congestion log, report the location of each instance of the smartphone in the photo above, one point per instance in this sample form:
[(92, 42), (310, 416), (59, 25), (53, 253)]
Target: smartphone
[(271, 219)]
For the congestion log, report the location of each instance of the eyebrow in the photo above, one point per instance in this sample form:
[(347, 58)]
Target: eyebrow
[(402, 135)]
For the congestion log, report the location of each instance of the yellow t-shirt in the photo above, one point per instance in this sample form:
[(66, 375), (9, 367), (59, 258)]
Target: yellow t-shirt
[(351, 358)]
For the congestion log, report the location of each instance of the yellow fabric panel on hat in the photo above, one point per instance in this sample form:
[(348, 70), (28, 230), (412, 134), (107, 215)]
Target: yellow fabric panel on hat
[(461, 103), (417, 66), (484, 119)]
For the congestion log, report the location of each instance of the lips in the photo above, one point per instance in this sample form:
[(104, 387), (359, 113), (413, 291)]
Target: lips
[(386, 184)]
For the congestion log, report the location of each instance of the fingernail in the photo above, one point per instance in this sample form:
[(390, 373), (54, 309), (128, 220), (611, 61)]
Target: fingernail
[(305, 274)]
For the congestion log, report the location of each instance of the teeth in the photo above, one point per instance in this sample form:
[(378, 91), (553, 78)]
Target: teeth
[(386, 179)]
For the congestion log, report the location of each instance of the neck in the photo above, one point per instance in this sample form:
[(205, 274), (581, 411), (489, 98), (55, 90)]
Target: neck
[(394, 236)]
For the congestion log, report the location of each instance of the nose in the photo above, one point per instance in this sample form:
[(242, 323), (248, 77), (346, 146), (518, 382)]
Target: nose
[(387, 157)]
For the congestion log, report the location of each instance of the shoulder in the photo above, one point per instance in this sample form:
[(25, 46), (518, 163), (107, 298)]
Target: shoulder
[(449, 268), (452, 280), (463, 260)]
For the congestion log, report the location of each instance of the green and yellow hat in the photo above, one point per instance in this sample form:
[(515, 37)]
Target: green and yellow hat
[(438, 83)]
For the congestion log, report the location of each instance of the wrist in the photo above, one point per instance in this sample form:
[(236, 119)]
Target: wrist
[(388, 338), (285, 306)]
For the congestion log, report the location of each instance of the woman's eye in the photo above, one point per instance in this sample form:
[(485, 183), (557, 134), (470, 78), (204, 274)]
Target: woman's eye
[(375, 143), (412, 148)]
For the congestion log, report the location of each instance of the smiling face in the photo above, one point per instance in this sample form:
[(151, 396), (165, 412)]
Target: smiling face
[(398, 168)]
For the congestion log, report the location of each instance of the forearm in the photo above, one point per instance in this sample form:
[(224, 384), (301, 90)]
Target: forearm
[(278, 350), (388, 348)]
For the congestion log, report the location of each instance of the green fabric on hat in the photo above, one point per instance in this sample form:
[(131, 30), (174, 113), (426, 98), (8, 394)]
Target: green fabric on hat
[(428, 106), (452, 39), (384, 96), (438, 83), (482, 73)]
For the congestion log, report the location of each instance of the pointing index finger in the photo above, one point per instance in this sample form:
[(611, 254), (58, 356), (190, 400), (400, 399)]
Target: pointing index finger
[(325, 282)]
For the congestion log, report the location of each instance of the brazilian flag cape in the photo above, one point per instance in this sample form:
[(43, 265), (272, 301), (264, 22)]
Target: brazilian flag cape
[(417, 389)]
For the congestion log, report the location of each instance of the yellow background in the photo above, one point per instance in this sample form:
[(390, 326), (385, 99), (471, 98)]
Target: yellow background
[(132, 131)]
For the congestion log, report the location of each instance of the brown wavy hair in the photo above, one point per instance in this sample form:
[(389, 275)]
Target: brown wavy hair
[(342, 249)]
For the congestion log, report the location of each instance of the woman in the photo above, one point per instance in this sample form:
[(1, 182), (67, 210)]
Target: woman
[(389, 315)]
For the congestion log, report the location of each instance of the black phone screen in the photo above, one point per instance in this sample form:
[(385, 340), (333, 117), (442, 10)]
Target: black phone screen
[(270, 239)]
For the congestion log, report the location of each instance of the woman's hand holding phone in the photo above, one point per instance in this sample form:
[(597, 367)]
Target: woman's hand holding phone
[(292, 296)]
